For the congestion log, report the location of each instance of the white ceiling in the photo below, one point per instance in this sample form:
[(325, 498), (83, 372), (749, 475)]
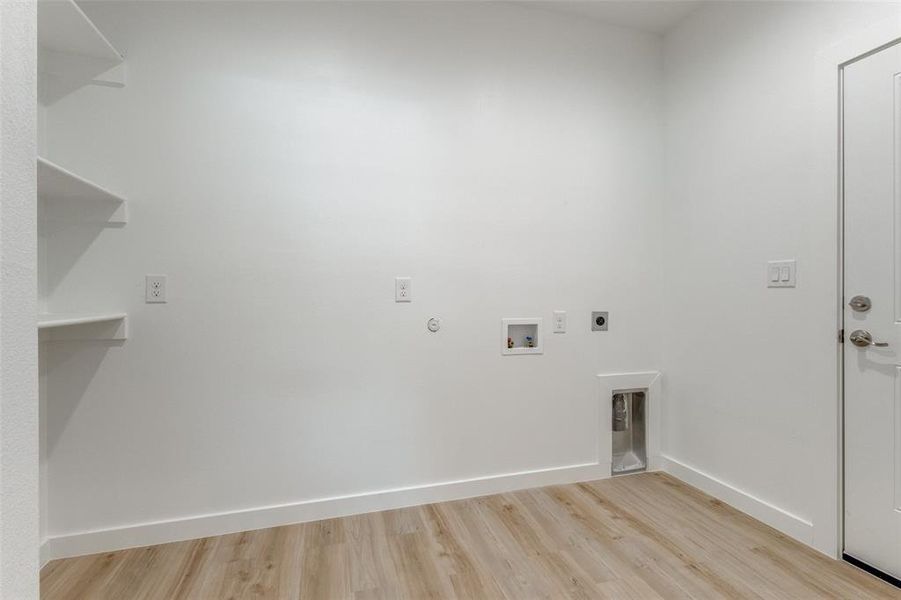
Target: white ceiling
[(655, 16)]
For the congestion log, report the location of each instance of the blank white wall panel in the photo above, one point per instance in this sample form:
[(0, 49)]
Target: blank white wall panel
[(283, 163)]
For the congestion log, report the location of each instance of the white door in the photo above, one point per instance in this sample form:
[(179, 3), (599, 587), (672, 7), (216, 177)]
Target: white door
[(872, 269)]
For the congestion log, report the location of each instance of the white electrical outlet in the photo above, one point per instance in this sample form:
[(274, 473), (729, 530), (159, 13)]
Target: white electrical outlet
[(155, 289), (403, 289), (559, 321)]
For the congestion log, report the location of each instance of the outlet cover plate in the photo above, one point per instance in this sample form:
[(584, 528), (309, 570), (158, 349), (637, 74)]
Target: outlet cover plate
[(559, 321), (403, 289), (155, 289)]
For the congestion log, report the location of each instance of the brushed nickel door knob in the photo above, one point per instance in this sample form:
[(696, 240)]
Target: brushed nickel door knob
[(862, 339)]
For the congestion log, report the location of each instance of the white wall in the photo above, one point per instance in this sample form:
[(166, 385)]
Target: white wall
[(751, 372), (284, 162), (18, 336)]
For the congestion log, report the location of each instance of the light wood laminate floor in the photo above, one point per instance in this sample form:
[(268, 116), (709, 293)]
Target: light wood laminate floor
[(637, 537)]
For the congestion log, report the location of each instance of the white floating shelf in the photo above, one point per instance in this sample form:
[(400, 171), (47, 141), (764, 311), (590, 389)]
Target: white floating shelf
[(82, 326), (63, 27), (47, 321), (86, 200), (73, 52)]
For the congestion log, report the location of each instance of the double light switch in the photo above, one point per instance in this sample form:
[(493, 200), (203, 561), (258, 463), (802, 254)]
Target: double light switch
[(781, 273)]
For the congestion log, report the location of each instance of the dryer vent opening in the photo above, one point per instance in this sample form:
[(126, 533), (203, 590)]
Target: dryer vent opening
[(629, 434)]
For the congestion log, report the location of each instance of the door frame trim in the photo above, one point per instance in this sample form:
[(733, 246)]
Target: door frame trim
[(831, 62)]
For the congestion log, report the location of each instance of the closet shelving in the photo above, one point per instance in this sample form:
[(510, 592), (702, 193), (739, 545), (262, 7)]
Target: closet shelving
[(101, 326), (48, 321), (73, 53), (57, 185)]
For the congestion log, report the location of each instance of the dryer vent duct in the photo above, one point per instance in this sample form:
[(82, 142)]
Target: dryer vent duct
[(629, 434)]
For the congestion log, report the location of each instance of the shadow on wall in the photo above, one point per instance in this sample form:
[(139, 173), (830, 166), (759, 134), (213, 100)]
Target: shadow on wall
[(65, 232), (75, 363)]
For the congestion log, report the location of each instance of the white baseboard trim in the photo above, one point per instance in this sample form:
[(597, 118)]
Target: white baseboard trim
[(147, 534), (775, 517), (44, 553)]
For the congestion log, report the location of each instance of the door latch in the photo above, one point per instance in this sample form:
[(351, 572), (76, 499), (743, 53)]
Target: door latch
[(862, 339)]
